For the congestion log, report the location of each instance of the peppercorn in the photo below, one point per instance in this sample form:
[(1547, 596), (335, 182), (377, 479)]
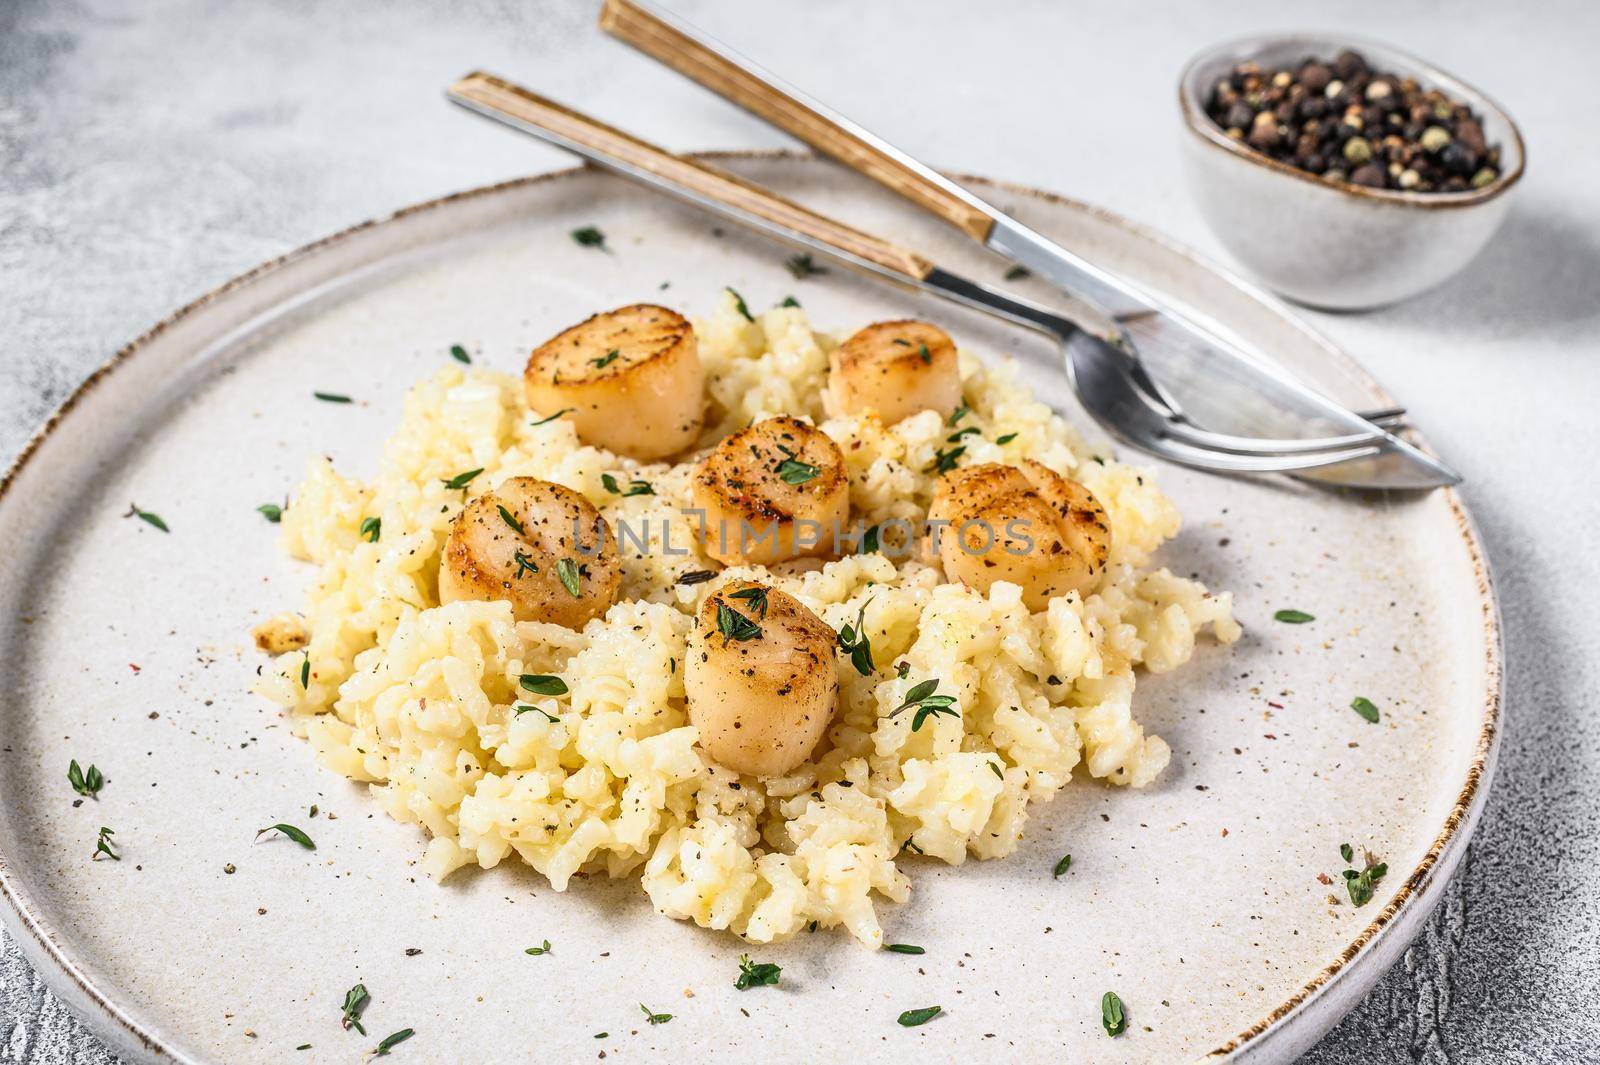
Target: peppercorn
[(1371, 175), (1434, 138), (1315, 76), (1458, 159), (1348, 64), (1328, 117)]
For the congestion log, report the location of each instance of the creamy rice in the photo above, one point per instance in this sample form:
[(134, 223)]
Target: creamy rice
[(415, 699)]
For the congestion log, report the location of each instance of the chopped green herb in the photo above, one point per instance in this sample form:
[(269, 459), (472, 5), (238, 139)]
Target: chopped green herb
[(792, 471), (551, 418), (924, 354), (371, 529), (903, 670), (305, 672), (1366, 708), (606, 360), (271, 511), (103, 845), (88, 784), (635, 488), (333, 397), (460, 481), (789, 301), (1112, 1016), (1361, 884), (1293, 617), (756, 974), (459, 353), (355, 1000), (911, 845), (995, 768), (601, 1035), (654, 1018), (904, 343), (925, 703), (542, 948), (945, 460), (1347, 852), (1062, 866), (734, 625), (292, 832), (505, 516), (543, 684), (525, 564), (523, 708), (1006, 439), (957, 414), (590, 237), (870, 539), (738, 305), (854, 642), (756, 596), (912, 1018), (903, 948), (1017, 273), (303, 1046), (567, 573), (696, 576), (147, 517), (955, 437), (802, 267), (390, 1041)]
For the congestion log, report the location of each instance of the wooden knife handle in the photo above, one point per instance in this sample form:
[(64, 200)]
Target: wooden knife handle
[(740, 83), (689, 178)]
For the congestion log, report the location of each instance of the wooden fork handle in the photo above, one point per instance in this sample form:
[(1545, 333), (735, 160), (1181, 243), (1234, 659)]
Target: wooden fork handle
[(687, 178), (739, 82)]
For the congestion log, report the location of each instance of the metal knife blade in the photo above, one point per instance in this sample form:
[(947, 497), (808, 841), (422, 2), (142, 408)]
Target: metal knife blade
[(1216, 380)]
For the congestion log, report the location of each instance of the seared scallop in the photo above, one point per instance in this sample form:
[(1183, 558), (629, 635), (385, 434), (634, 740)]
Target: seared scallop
[(774, 491), (1025, 524), (631, 379), (540, 546), (760, 679), (896, 369)]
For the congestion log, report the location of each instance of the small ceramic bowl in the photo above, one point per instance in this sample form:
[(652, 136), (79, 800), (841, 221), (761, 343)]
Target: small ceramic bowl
[(1332, 244)]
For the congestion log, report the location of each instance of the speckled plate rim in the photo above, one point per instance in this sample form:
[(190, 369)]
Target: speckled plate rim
[(1282, 1033)]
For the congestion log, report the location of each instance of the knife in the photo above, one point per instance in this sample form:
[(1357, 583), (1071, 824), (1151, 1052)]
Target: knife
[(1214, 379)]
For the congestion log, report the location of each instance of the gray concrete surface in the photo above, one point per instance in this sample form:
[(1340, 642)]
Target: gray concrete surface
[(150, 149)]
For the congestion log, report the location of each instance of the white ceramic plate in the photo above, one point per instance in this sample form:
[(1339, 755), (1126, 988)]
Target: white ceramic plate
[(1197, 900)]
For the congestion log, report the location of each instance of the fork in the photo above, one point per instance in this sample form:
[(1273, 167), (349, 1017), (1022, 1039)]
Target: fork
[(1179, 351), (1110, 385)]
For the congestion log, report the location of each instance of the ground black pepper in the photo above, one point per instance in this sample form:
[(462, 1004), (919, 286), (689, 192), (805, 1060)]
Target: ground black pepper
[(1345, 122)]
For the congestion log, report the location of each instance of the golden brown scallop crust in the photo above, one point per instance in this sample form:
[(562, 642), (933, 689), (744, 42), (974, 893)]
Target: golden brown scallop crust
[(630, 378), (896, 368), (760, 477), (547, 532), (761, 704), (1024, 524)]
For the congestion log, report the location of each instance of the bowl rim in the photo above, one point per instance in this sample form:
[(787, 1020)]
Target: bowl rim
[(1403, 62)]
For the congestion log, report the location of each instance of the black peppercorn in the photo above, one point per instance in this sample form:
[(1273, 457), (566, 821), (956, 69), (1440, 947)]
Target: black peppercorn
[(1347, 122), (1458, 159)]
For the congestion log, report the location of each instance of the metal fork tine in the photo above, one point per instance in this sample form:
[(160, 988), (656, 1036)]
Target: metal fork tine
[(1194, 436), (1221, 462)]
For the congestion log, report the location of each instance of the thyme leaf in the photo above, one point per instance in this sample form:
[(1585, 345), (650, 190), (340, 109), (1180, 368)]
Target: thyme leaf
[(567, 573), (756, 974), (290, 831)]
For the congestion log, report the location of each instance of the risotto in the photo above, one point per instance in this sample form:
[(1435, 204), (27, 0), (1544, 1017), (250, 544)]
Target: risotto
[(427, 705)]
